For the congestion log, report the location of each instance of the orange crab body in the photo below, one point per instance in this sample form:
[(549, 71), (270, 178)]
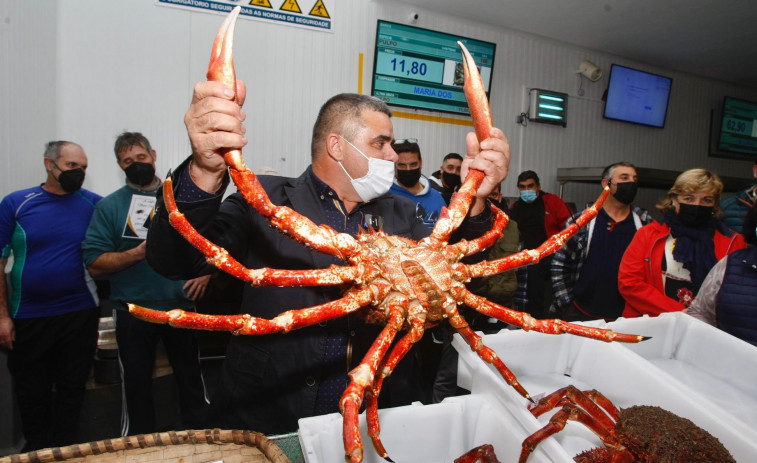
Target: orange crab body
[(399, 283)]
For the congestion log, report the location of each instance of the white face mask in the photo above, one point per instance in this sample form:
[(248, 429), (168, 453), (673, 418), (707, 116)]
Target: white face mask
[(377, 181)]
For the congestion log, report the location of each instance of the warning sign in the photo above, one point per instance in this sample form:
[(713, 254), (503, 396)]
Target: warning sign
[(319, 9), (289, 12), (261, 3), (291, 5)]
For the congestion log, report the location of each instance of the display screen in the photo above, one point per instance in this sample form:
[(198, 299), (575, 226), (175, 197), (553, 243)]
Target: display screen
[(738, 128), (420, 68), (638, 97)]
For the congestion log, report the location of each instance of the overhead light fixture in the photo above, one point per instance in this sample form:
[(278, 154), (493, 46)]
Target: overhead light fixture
[(589, 70), (548, 107)]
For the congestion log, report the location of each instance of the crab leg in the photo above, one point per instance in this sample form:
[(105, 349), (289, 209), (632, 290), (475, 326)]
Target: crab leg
[(371, 396), (483, 453), (549, 326), (475, 93), (299, 227), (486, 353), (592, 401), (246, 324), (466, 247), (532, 256), (220, 258), (579, 408), (363, 376)]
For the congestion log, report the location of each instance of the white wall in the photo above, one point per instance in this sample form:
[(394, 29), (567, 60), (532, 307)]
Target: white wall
[(85, 70)]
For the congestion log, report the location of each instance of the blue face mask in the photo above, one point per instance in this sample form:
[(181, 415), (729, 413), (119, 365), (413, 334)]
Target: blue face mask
[(528, 196)]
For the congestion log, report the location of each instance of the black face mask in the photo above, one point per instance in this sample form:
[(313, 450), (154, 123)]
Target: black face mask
[(626, 192), (451, 181), (140, 173), (71, 180), (694, 216), (408, 178)]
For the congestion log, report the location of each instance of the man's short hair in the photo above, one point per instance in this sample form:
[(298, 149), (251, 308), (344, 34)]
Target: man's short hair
[(452, 156), (128, 139), (342, 114), (407, 147), (609, 170), (527, 175), (53, 148)]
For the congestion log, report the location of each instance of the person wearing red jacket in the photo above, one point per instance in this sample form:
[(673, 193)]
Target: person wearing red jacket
[(665, 264)]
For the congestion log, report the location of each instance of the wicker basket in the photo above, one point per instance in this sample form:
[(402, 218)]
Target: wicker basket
[(203, 446)]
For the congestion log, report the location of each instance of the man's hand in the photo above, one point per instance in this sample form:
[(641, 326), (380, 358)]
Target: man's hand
[(7, 332), (214, 122), (196, 287), (491, 156)]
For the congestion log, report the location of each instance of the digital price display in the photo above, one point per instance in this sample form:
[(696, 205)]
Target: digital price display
[(421, 68), (738, 131)]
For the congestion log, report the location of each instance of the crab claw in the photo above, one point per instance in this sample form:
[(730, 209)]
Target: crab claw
[(221, 67), (475, 93)]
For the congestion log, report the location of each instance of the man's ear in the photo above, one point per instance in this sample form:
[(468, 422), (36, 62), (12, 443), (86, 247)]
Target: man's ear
[(334, 147), (605, 182)]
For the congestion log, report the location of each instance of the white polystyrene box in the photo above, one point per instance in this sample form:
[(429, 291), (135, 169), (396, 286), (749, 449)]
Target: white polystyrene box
[(544, 363), (720, 367), (437, 433)]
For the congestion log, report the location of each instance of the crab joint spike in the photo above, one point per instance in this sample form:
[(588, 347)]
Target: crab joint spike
[(475, 93), (221, 67)]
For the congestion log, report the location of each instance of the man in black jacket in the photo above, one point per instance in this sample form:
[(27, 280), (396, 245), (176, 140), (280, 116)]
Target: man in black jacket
[(269, 382)]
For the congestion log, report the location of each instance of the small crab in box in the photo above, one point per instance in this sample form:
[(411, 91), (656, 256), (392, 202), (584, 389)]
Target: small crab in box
[(640, 433)]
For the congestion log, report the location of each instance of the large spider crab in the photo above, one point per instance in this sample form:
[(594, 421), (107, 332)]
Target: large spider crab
[(636, 433), (396, 282)]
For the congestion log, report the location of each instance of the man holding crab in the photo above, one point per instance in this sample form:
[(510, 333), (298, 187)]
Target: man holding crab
[(270, 381)]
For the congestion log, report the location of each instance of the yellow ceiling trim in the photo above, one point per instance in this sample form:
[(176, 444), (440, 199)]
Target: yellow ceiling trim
[(423, 117)]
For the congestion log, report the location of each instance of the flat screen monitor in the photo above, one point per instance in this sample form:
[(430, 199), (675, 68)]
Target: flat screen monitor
[(637, 96), (738, 127), (422, 69)]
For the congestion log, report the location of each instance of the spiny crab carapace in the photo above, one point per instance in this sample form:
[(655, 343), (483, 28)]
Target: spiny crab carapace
[(634, 434), (391, 280)]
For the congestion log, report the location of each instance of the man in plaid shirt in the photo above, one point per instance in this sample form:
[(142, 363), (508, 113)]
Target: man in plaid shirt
[(585, 271)]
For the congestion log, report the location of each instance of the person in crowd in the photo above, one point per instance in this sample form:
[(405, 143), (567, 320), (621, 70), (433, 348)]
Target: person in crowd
[(584, 271), (448, 175), (49, 315), (539, 216), (736, 207), (726, 298), (114, 248), (410, 183), (665, 264), (497, 199), (269, 382), (500, 288)]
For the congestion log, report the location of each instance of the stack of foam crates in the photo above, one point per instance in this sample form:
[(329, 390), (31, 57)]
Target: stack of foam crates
[(687, 367)]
